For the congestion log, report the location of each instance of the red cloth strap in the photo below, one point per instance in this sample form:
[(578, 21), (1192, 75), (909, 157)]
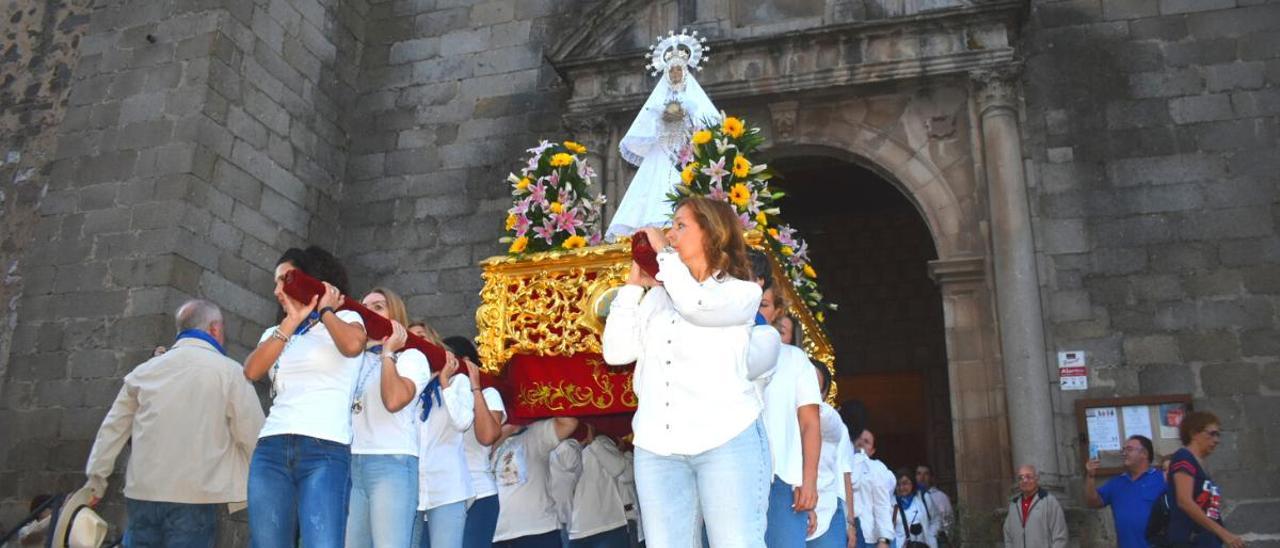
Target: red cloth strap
[(301, 287)]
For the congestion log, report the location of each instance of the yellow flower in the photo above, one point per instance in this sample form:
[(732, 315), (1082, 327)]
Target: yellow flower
[(518, 245), (575, 147), (522, 184), (773, 232), (740, 194), (690, 171), (511, 221), (761, 218), (701, 137), (810, 272), (732, 127), (574, 242), (786, 250), (557, 207), (741, 167), (822, 318), (561, 160)]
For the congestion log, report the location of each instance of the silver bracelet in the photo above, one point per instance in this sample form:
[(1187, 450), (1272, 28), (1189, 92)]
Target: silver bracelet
[(391, 356), (275, 333)]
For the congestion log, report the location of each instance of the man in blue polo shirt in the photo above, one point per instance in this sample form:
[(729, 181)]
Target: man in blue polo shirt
[(1131, 494)]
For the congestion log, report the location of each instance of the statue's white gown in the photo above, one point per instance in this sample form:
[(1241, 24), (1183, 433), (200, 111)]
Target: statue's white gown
[(653, 144)]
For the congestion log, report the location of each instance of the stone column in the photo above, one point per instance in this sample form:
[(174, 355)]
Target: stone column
[(980, 428), (593, 133), (1017, 287)]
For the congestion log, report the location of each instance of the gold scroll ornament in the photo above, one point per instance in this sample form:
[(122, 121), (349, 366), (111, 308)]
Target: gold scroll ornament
[(555, 303)]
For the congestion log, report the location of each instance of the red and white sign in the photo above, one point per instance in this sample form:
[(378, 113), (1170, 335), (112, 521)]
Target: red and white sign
[(1073, 374)]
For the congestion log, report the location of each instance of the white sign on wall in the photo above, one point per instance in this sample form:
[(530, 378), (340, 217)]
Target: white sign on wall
[(1073, 374)]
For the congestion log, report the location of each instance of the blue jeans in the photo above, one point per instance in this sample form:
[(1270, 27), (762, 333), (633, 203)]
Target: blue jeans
[(482, 520), (836, 536), (862, 542), (384, 496), (292, 476), (787, 527), (170, 524), (613, 538), (442, 527), (549, 539), (727, 487)]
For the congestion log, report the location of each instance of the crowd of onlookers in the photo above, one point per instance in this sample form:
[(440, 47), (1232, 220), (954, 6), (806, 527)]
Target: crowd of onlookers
[(366, 443)]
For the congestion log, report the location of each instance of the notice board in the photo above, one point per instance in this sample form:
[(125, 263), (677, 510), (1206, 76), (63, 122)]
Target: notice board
[(1105, 423)]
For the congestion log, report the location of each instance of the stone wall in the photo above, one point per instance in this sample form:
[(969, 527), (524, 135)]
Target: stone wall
[(40, 47), (451, 95), (1151, 130), (199, 140)]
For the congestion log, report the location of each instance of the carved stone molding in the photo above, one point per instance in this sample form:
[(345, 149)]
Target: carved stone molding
[(996, 88), (590, 131), (958, 270), (953, 42), (783, 114)]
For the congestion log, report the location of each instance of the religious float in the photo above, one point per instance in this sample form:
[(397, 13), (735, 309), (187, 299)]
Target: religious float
[(545, 303)]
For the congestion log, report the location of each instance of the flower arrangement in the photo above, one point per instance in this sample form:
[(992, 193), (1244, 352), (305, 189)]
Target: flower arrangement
[(717, 163), (553, 208)]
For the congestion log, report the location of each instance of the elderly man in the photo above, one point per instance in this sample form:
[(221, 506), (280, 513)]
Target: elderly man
[(1035, 518), (873, 486), (194, 422), (1131, 494)]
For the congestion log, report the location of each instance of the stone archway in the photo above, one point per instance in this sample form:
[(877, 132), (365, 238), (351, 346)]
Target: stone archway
[(980, 431)]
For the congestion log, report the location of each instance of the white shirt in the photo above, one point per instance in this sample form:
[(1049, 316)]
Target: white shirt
[(873, 485), (792, 386), (526, 508), (376, 430), (627, 488), (915, 514), (598, 504), (442, 464), (566, 469), (314, 384), (940, 506), (689, 341), (478, 462), (835, 460)]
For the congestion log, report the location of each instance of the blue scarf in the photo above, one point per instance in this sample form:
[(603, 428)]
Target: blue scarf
[(760, 319), (905, 502), (375, 349), (432, 391), (202, 335), (306, 325)]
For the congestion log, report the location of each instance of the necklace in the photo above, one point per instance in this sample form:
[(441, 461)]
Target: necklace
[(357, 403), (277, 385)]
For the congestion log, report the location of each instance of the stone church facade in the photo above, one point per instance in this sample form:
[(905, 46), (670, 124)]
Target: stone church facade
[(1096, 175)]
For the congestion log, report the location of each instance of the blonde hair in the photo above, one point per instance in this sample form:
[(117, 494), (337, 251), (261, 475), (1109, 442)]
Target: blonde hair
[(395, 305), (725, 248), (433, 336)]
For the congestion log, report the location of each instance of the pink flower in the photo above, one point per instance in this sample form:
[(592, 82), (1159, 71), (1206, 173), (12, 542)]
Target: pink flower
[(747, 223), (547, 231), (585, 171), (538, 192), (595, 239), (716, 171), (554, 178), (521, 207), (522, 225), (567, 222), (717, 193)]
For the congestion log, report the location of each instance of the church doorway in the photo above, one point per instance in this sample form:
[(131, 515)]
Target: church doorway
[(871, 248)]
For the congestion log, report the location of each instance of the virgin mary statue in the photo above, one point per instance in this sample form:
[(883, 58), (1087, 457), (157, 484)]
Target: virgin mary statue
[(661, 131)]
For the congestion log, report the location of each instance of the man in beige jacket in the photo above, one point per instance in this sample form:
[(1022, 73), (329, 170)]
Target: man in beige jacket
[(194, 422), (1035, 518)]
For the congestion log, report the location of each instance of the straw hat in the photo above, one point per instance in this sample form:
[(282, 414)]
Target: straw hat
[(78, 526)]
